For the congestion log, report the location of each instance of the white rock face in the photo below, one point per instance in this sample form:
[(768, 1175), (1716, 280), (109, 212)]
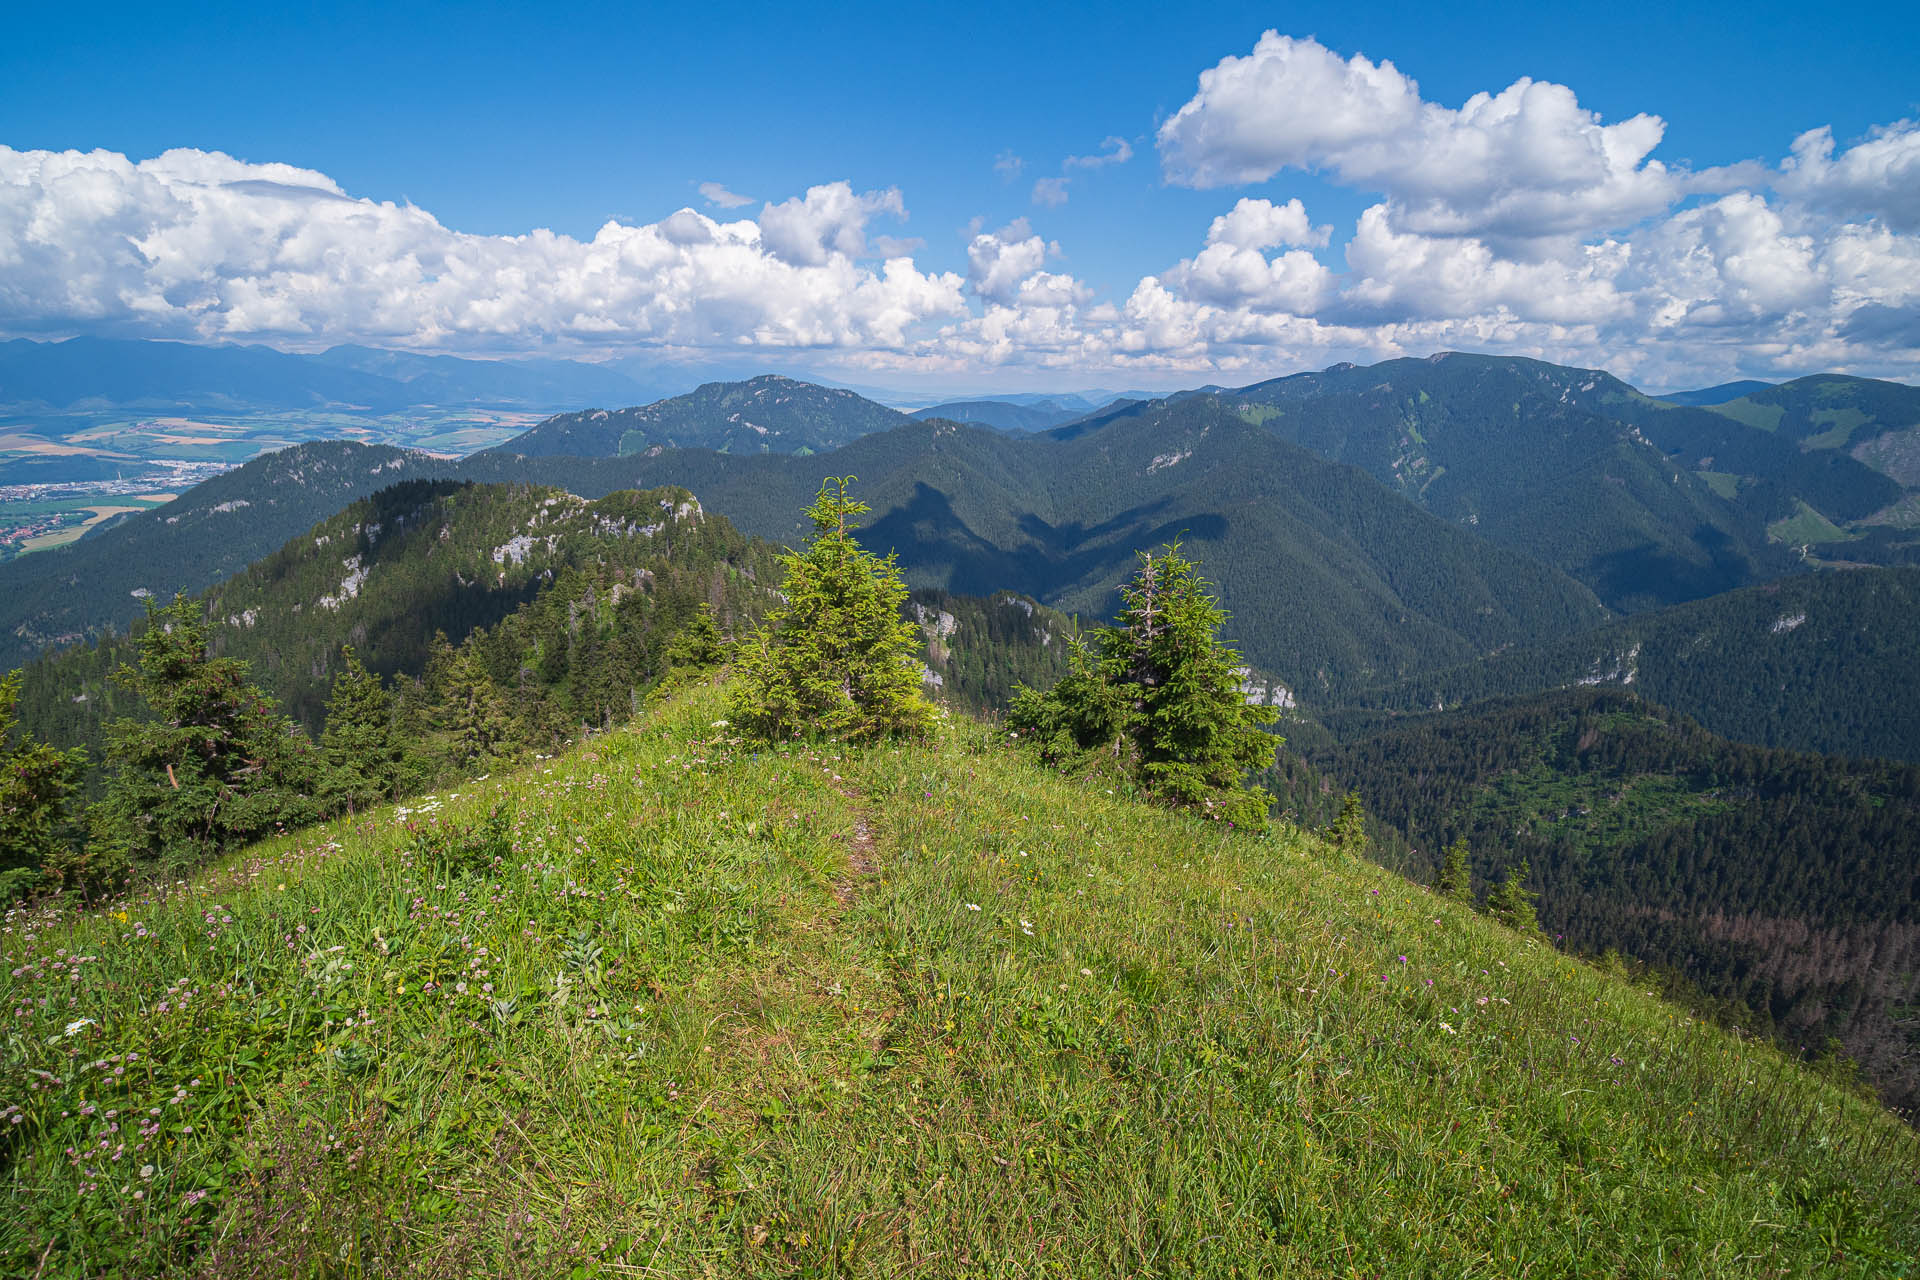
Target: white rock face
[(1788, 623), (514, 549), (938, 621), (349, 586), (1260, 691), (1625, 667)]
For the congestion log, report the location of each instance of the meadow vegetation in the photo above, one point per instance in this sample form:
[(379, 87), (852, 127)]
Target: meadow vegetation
[(678, 1002)]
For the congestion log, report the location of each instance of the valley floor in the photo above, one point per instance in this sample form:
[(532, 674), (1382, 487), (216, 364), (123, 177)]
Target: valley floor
[(677, 1004)]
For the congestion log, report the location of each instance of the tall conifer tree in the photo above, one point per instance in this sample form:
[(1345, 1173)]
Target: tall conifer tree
[(215, 764), (1164, 693), (836, 658), (361, 748), (36, 781)]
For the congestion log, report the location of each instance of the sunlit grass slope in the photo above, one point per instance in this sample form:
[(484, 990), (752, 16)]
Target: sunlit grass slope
[(686, 1007)]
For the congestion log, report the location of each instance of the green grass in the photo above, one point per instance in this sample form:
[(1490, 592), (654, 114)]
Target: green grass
[(914, 1010), (1724, 483), (1840, 425), (1806, 526), (1764, 417)]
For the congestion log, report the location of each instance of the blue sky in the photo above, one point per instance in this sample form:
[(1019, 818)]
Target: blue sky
[(497, 120)]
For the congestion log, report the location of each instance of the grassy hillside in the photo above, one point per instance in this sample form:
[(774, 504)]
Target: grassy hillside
[(1819, 662), (686, 1006), (1779, 881)]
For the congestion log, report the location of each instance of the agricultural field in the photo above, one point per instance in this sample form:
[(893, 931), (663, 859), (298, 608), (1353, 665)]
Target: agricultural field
[(62, 474)]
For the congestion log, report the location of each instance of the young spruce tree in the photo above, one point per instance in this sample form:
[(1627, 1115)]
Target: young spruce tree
[(1456, 874), (836, 658), (35, 782), (363, 755), (1349, 830), (478, 724), (1163, 694), (1511, 902), (215, 764)]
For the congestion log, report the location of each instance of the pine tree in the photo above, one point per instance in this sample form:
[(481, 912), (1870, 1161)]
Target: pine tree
[(216, 765), (363, 755), (1349, 831), (475, 716), (698, 645), (35, 783), (836, 658), (1164, 695), (1511, 902), (1456, 874), (1196, 735), (1081, 713)]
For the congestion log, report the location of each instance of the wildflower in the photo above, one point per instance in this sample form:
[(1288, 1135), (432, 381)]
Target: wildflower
[(973, 906), (1086, 973), (1448, 1028)]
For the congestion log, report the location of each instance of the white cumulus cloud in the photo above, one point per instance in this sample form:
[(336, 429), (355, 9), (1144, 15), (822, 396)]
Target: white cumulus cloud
[(1878, 177), (200, 246), (1526, 162)]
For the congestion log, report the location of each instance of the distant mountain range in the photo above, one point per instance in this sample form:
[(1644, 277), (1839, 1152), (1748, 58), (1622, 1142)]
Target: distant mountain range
[(1058, 516), (767, 414), (1003, 415), (107, 373), (1376, 531), (1024, 414), (1715, 395), (1813, 662)]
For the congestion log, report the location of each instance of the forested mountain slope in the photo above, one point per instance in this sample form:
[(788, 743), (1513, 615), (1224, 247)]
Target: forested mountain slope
[(1817, 662), (580, 597), (1334, 582), (218, 527), (1537, 457), (767, 414), (1784, 881), (675, 1001), (569, 604), (1830, 463)]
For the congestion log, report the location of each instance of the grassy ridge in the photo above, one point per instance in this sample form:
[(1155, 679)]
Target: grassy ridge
[(687, 1007)]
